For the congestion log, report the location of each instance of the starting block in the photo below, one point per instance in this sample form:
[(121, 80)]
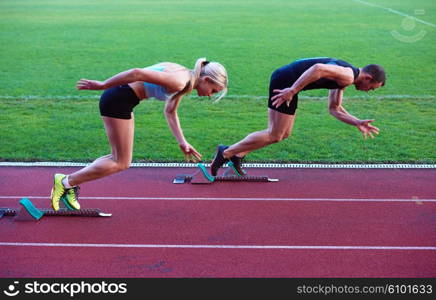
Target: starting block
[(202, 176), (29, 212)]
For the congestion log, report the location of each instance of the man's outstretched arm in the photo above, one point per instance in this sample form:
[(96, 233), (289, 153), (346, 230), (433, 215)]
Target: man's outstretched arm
[(338, 111)]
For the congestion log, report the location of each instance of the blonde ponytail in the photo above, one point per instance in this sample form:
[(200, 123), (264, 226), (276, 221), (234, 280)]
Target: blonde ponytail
[(214, 70), (196, 72), (218, 74)]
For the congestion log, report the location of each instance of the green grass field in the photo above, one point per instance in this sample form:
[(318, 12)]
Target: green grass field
[(46, 46)]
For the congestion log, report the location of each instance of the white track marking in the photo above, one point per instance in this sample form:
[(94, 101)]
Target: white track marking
[(270, 247), (77, 97), (232, 199), (396, 12), (246, 165)]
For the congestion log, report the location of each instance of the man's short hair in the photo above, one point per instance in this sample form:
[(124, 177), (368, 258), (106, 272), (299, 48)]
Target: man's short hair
[(377, 72)]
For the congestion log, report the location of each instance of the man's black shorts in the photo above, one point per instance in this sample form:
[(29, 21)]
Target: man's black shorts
[(281, 81)]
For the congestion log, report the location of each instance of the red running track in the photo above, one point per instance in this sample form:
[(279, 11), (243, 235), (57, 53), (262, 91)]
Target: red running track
[(313, 223)]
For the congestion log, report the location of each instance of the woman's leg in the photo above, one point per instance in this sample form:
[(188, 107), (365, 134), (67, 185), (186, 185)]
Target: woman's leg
[(120, 133)]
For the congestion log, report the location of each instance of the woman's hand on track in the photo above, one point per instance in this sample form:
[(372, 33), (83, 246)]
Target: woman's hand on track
[(190, 153)]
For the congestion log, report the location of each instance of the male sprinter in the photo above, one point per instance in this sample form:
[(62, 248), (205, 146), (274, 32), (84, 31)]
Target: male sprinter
[(286, 82)]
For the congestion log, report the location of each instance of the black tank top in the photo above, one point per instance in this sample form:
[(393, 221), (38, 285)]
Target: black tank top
[(294, 70)]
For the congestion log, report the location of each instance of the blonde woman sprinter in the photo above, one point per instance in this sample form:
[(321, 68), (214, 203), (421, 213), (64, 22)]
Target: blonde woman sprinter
[(167, 82)]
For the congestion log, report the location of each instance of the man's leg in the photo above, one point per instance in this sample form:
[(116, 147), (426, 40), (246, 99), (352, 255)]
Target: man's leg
[(279, 127)]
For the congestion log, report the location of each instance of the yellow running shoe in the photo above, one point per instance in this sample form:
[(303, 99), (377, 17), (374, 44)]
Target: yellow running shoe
[(72, 196), (57, 191)]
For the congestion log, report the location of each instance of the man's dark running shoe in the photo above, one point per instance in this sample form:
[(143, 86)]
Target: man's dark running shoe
[(218, 160), (237, 165)]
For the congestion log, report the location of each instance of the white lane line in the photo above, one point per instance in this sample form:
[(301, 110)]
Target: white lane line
[(246, 165), (234, 199), (271, 247), (258, 97), (396, 12)]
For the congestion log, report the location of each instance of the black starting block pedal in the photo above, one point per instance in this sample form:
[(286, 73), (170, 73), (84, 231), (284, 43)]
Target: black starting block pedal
[(29, 212), (203, 177)]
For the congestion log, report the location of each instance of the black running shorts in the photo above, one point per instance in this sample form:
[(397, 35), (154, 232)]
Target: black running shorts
[(118, 102), (279, 82)]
